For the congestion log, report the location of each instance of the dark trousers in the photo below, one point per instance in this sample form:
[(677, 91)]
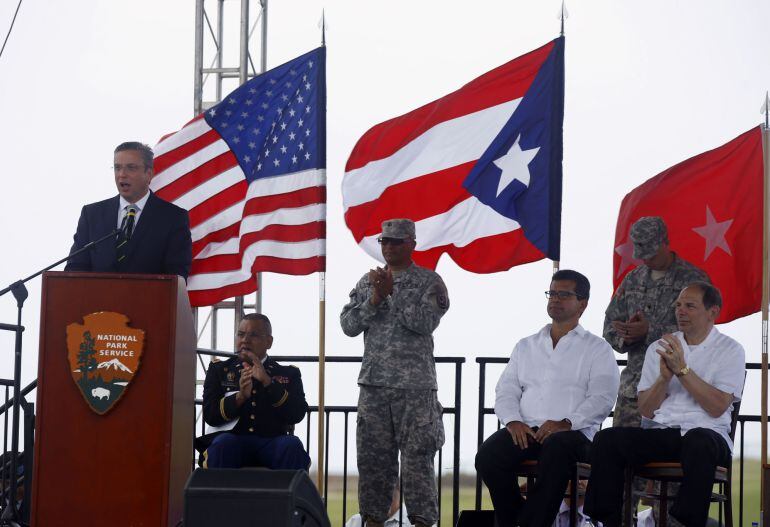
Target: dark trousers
[(699, 451), (497, 460), (230, 450)]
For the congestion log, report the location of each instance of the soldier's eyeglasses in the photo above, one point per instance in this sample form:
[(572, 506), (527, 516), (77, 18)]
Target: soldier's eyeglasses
[(391, 241), (251, 335), (561, 295)]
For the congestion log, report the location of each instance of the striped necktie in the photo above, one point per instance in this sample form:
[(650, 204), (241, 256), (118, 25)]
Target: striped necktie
[(126, 230)]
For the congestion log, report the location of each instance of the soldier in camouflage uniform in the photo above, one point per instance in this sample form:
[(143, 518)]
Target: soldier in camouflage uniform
[(397, 309), (641, 310)]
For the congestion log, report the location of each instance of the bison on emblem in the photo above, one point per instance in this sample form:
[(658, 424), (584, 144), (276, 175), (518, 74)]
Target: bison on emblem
[(104, 355)]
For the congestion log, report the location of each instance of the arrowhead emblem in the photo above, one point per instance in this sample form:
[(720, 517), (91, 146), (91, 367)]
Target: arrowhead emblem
[(104, 355)]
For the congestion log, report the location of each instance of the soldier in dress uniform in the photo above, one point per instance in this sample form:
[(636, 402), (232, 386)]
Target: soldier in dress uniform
[(259, 399), (397, 309)]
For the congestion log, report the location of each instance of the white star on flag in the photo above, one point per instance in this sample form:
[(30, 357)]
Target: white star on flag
[(626, 252), (514, 165), (714, 233)]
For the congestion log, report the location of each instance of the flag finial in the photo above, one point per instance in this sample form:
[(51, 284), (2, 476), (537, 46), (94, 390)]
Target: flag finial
[(563, 15), (322, 26)]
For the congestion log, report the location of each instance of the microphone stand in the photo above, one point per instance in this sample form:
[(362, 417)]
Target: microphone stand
[(10, 515)]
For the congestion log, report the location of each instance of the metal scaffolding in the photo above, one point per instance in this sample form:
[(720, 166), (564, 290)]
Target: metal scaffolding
[(211, 27)]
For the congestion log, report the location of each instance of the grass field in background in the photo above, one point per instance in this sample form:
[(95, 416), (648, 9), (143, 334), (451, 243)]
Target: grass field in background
[(468, 496)]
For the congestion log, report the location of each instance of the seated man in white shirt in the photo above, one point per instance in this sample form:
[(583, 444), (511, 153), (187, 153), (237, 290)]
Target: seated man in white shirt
[(690, 380), (558, 387)]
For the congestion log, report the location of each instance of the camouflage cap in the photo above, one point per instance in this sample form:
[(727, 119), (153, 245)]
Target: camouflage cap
[(648, 233), (401, 228)]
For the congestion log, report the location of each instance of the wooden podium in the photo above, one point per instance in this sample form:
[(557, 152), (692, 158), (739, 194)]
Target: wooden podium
[(127, 465)]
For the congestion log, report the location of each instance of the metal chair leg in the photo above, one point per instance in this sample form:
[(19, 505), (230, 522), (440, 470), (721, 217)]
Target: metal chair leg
[(728, 503), (573, 497), (628, 498), (663, 504)]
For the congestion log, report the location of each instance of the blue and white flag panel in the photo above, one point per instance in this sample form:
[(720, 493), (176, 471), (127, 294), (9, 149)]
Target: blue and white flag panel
[(478, 170)]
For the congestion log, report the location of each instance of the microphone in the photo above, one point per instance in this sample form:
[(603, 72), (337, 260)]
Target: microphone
[(127, 225)]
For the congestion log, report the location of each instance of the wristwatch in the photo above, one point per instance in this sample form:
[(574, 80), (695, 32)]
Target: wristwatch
[(684, 371)]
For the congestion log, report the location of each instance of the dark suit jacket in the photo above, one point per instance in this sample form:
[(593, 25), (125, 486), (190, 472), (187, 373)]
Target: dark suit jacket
[(271, 411), (160, 244)]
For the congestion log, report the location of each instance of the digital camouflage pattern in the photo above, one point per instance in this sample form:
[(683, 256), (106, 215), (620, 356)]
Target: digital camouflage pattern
[(648, 233), (398, 409), (398, 228), (655, 300), (390, 420), (398, 340)]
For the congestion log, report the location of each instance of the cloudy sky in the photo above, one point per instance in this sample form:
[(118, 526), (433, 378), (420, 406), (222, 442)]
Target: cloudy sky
[(647, 85)]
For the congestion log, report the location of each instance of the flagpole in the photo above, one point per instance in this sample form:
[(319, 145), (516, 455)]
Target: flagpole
[(322, 331), (321, 377), (262, 69), (562, 16), (764, 508)]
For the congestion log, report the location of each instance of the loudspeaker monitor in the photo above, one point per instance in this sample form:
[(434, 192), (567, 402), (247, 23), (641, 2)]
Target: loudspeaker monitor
[(252, 497)]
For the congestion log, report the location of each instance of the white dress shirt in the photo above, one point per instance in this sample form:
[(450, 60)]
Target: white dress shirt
[(577, 380), (718, 360), (139, 208)]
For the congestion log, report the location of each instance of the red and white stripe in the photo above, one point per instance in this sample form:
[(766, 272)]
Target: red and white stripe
[(275, 224), (413, 167)]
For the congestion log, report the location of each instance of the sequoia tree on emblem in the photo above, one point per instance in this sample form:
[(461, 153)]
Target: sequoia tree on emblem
[(104, 355)]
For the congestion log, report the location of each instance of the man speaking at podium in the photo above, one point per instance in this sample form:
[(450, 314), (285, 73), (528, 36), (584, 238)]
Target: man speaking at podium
[(154, 235)]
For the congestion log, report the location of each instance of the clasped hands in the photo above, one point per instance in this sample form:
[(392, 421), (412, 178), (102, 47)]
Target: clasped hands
[(521, 433), (671, 356), (381, 281), (249, 373), (632, 330)]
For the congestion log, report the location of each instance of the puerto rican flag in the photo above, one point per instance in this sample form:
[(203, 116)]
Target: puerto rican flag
[(479, 170)]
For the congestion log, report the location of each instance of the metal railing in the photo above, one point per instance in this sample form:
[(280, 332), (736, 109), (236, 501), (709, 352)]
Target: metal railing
[(25, 458), (345, 413), (484, 410)]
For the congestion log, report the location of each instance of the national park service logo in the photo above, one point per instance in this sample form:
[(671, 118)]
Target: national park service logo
[(104, 355)]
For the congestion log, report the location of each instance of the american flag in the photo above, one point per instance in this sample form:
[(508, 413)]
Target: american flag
[(251, 171)]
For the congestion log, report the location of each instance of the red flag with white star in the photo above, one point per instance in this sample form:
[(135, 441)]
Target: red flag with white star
[(712, 206)]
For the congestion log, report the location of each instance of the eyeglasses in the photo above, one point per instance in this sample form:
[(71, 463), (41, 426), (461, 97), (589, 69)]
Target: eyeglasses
[(251, 335), (391, 241), (561, 295), (131, 168)]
